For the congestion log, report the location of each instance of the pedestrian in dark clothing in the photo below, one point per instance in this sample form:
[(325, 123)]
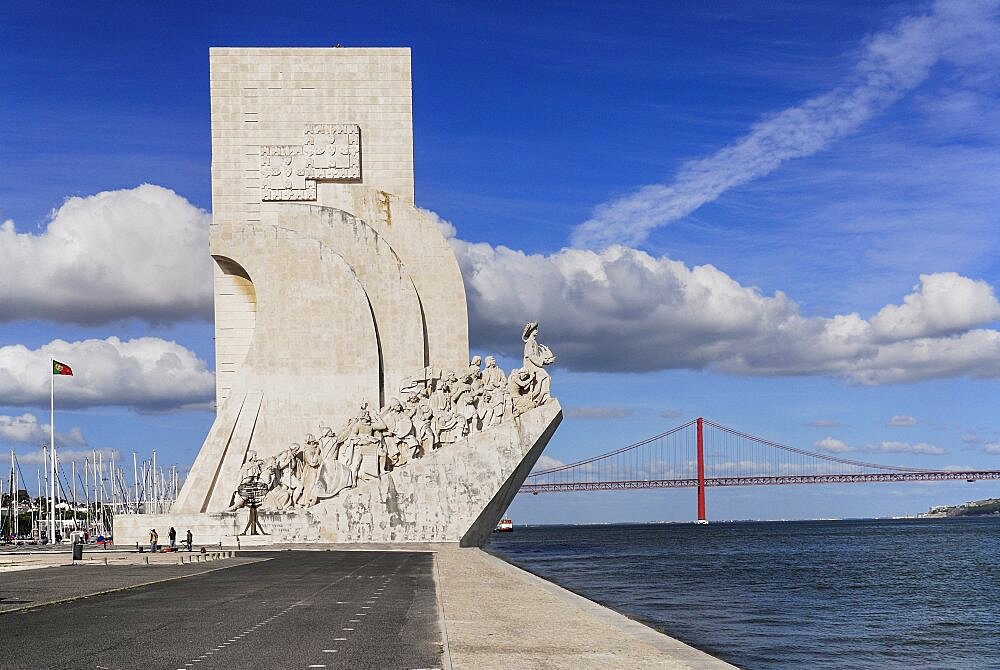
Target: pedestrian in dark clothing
[(190, 539), (172, 534)]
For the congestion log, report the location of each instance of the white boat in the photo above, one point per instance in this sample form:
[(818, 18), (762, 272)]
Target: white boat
[(505, 526)]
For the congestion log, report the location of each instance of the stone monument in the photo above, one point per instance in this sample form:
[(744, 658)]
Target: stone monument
[(346, 398)]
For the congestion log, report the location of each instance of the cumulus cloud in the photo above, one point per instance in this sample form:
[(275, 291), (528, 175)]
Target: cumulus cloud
[(546, 463), (992, 448), (622, 309), (970, 438), (64, 456), (835, 446), (134, 253), (26, 429), (599, 412), (832, 445), (900, 420), (889, 65), (942, 304), (145, 373)]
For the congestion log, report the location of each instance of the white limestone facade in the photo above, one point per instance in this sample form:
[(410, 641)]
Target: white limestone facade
[(332, 290)]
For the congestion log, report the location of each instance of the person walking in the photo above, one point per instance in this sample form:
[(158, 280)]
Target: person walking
[(153, 537), (190, 539), (172, 534)]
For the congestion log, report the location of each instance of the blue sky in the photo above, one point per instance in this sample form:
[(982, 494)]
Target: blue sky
[(774, 215)]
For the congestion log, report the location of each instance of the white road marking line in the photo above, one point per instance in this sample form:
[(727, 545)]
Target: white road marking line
[(329, 651), (340, 639), (347, 629)]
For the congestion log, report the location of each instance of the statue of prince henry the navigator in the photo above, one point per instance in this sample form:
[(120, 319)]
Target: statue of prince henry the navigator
[(314, 223)]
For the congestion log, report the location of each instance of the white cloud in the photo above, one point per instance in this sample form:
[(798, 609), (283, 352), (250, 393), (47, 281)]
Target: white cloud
[(992, 448), (900, 420), (835, 446), (26, 429), (599, 412), (622, 309), (832, 445), (970, 438), (145, 373), (66, 456), (943, 304), (546, 463), (824, 423), (619, 310), (140, 252), (889, 65), (894, 447)]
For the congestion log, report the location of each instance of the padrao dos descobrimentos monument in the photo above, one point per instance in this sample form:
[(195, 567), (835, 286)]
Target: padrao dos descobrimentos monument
[(348, 409)]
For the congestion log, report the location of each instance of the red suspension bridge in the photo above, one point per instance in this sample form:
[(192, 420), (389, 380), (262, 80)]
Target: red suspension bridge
[(702, 453)]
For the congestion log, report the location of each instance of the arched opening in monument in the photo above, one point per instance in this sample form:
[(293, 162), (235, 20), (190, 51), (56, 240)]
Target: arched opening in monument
[(381, 359), (235, 320)]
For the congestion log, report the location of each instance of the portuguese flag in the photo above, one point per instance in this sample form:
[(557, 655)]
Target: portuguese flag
[(61, 369)]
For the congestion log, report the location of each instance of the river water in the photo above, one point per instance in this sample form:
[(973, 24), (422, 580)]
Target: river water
[(915, 593)]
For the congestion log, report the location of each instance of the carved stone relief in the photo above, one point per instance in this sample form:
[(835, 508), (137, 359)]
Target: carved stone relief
[(439, 409), (330, 152)]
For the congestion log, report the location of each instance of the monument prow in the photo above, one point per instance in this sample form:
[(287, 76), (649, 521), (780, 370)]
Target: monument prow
[(348, 408)]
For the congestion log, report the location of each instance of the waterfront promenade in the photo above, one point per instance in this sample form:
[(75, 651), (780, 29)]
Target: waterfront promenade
[(429, 606)]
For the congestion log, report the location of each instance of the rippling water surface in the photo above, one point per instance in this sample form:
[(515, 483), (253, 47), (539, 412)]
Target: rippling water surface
[(807, 594)]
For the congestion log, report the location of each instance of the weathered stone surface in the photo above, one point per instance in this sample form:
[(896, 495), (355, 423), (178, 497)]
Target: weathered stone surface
[(334, 292), (455, 494)]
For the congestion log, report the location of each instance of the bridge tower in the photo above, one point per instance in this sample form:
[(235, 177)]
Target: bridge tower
[(701, 471)]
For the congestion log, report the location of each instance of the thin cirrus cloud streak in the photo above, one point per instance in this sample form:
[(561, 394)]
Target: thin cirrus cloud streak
[(891, 64)]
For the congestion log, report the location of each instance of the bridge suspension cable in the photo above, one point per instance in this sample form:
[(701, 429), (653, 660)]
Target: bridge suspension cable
[(702, 453)]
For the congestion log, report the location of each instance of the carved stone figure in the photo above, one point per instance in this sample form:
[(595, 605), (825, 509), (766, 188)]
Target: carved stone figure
[(312, 460), (366, 445), (521, 383), (399, 437), (463, 402), (493, 377), (249, 472), (536, 357)]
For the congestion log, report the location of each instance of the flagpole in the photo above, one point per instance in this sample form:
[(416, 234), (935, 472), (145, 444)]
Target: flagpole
[(52, 448)]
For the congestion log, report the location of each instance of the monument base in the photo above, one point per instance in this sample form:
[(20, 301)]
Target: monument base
[(455, 494)]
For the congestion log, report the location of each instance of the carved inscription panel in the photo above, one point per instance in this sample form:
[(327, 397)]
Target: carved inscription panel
[(330, 152)]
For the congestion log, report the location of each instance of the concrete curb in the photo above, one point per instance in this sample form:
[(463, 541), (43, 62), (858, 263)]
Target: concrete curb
[(442, 621)]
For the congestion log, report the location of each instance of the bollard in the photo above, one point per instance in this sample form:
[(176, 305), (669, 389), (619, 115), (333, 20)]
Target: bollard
[(144, 557), (77, 551), (105, 560)]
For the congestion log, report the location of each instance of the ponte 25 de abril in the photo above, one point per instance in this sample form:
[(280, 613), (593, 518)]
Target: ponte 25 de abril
[(348, 407)]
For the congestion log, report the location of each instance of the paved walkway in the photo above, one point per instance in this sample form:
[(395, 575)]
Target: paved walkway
[(386, 607), (362, 610), (497, 616)]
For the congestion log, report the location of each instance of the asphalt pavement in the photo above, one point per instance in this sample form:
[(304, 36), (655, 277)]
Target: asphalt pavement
[(299, 609)]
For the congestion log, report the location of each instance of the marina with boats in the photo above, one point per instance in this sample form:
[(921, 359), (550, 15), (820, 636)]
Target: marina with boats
[(80, 503)]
